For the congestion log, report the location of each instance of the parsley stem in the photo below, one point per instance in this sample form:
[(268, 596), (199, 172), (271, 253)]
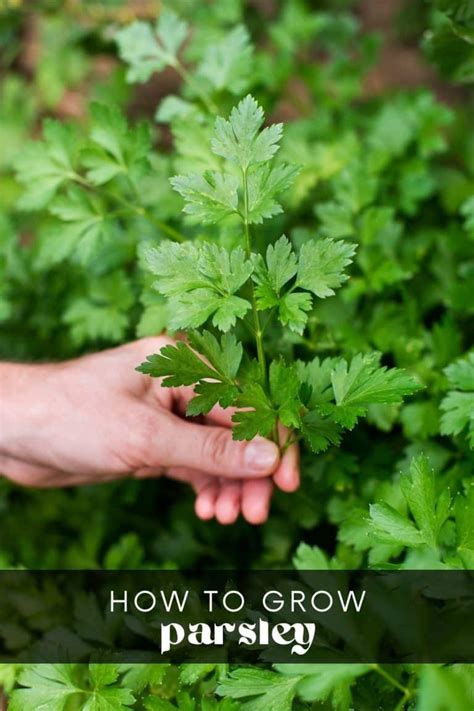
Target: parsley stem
[(292, 438), (195, 86), (406, 696), (401, 704), (141, 210), (256, 317), (169, 231), (135, 209), (391, 680)]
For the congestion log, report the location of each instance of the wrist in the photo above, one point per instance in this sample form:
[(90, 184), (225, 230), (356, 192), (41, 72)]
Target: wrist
[(23, 401)]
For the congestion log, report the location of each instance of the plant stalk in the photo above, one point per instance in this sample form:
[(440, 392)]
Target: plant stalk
[(136, 209), (194, 85), (391, 680), (256, 317)]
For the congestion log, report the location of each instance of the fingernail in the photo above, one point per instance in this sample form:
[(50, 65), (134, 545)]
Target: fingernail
[(260, 455)]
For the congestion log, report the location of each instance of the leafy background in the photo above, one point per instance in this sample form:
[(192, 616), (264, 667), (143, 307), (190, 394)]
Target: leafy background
[(377, 108)]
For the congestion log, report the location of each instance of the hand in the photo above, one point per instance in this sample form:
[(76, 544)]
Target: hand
[(95, 419)]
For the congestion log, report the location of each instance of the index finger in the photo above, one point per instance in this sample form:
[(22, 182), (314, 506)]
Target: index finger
[(221, 416), (217, 416)]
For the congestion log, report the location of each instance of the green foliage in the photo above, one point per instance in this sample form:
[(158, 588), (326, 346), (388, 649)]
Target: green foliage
[(442, 688), (458, 405), (148, 50), (44, 167), (265, 689), (227, 65), (200, 282), (429, 510), (450, 41), (53, 686)]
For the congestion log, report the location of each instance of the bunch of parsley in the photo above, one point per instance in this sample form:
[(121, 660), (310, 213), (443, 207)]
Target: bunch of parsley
[(208, 284)]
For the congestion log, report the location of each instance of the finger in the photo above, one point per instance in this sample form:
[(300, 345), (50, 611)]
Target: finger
[(220, 416), (227, 506), (181, 397), (217, 416), (204, 505), (256, 496), (137, 353), (196, 478), (177, 443), (287, 476), (144, 347), (148, 472)]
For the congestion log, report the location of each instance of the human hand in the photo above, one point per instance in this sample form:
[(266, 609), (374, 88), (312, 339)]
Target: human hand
[(95, 419)]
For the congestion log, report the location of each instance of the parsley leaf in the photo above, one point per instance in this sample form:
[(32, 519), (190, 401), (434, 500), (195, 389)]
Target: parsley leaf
[(208, 395), (240, 140), (227, 64), (256, 414), (292, 310), (467, 211), (429, 509), (175, 265), (284, 389), (461, 373), (180, 365), (85, 229), (320, 432), (214, 195), (309, 558), (268, 690), (117, 148), (53, 687), (44, 166), (321, 680), (271, 276), (225, 356), (321, 266), (102, 312), (317, 375), (389, 526), (228, 271), (265, 183), (104, 696), (458, 405), (201, 282), (148, 51), (336, 220), (209, 197), (259, 411), (365, 382), (280, 267), (48, 685), (138, 676), (445, 687), (464, 515)]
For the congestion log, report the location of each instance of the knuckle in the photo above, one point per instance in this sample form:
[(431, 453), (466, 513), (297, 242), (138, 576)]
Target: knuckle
[(140, 441), (217, 447)]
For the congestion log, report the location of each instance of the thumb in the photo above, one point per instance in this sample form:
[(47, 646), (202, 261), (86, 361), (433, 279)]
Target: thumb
[(213, 451)]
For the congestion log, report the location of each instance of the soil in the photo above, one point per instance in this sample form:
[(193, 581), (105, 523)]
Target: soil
[(401, 64)]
